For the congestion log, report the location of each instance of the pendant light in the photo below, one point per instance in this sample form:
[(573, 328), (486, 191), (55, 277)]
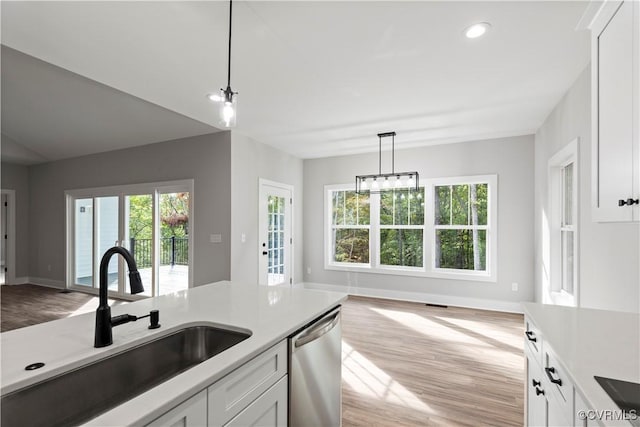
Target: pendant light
[(227, 98), (376, 183)]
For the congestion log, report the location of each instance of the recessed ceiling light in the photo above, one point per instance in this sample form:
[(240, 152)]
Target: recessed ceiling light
[(477, 30)]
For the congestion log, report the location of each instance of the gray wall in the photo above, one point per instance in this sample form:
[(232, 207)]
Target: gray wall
[(510, 158), (251, 161), (609, 254), (205, 159), (16, 177)]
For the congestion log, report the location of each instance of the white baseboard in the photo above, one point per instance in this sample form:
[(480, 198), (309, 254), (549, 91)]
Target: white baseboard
[(49, 283), (21, 280), (455, 301)]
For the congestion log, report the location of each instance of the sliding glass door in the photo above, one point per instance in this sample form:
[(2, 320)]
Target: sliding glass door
[(151, 221)]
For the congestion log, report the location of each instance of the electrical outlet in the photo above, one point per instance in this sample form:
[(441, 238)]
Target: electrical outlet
[(49, 267), (215, 238), (514, 287), (308, 270), (243, 238)]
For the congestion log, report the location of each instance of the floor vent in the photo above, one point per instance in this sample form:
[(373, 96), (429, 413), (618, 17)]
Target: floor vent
[(65, 291), (437, 305)]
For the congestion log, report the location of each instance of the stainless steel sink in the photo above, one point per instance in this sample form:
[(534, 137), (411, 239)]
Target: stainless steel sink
[(84, 393)]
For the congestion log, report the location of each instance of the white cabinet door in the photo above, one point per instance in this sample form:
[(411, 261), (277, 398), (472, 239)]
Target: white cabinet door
[(190, 413), (615, 155), (556, 414), (536, 399), (269, 410)]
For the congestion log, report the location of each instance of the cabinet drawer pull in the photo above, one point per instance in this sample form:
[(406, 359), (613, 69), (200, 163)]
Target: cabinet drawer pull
[(539, 391), (550, 371), (530, 336), (629, 202), (536, 383)]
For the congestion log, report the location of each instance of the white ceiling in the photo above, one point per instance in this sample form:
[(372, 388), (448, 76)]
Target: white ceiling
[(320, 78)]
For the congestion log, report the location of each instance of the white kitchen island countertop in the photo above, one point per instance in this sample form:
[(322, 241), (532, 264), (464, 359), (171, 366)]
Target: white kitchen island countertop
[(270, 313), (591, 342)]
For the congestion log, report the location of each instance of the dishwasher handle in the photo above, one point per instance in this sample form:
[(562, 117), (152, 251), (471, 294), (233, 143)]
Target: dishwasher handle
[(318, 329)]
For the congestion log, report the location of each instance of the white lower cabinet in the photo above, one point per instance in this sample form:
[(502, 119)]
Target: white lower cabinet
[(270, 409), (255, 394), (190, 413), (550, 392), (537, 400)]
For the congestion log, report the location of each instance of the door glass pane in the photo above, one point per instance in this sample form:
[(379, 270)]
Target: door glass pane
[(174, 243), (83, 243), (107, 234), (139, 237), (276, 240)]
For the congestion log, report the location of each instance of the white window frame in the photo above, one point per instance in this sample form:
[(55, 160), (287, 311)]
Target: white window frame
[(428, 268), (557, 293), (329, 262), (491, 263), (395, 269)]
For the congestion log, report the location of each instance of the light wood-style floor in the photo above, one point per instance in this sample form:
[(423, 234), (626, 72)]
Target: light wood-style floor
[(407, 364), (404, 364)]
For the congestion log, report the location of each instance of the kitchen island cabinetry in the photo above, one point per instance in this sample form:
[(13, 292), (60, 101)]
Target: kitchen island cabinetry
[(253, 394)]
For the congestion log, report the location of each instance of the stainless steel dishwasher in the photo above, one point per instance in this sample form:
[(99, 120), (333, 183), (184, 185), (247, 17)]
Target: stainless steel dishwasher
[(315, 373)]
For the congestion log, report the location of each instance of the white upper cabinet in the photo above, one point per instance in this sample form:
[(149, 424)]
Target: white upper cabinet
[(615, 44)]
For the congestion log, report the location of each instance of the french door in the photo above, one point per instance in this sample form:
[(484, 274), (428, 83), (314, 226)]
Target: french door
[(276, 240), (152, 221)]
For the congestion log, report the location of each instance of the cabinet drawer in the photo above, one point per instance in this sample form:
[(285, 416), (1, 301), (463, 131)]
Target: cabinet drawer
[(270, 409), (558, 385), (533, 340), (237, 390)]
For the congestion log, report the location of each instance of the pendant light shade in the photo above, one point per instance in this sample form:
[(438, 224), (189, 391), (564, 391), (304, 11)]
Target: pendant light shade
[(228, 108)]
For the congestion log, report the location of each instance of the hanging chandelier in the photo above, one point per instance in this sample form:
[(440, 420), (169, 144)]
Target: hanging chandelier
[(227, 98), (377, 183)]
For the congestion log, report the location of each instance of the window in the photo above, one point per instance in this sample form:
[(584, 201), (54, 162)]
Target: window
[(401, 228), (563, 231), (567, 228), (350, 227), (446, 229), (460, 228)]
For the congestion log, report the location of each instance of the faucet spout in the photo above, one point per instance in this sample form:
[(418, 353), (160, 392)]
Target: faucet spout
[(104, 324)]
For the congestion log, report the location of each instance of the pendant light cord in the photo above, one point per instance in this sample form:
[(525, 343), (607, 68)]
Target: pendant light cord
[(229, 61)]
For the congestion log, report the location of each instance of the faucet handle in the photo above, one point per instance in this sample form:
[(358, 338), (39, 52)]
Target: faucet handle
[(154, 318)]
